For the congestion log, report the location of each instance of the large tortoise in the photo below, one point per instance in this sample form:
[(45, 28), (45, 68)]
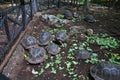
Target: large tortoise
[(37, 55), (105, 71), (45, 38), (29, 42), (53, 49)]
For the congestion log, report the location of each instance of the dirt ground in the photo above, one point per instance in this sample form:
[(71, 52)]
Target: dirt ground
[(19, 69)]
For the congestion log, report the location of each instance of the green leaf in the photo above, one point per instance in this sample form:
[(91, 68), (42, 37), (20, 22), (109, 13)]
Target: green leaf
[(47, 65), (61, 68), (75, 62), (53, 70), (41, 71)]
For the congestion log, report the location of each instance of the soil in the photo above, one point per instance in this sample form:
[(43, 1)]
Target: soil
[(107, 21)]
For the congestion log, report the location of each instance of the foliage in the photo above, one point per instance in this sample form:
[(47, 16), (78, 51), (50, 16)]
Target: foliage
[(60, 16), (103, 40), (81, 17), (94, 59), (59, 25), (73, 20), (26, 57), (115, 58)]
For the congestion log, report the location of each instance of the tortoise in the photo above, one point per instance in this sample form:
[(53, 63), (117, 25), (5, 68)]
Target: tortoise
[(61, 36), (29, 42), (76, 30), (68, 14), (45, 38), (82, 54), (37, 55), (53, 49), (90, 18), (105, 71)]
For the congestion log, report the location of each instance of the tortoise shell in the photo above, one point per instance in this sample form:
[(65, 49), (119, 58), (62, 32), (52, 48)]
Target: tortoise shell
[(53, 48), (37, 55), (82, 54), (61, 36), (29, 41), (68, 14), (76, 30), (105, 71), (90, 18), (45, 38)]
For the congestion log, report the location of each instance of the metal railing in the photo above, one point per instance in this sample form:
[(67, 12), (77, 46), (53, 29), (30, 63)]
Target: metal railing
[(12, 21)]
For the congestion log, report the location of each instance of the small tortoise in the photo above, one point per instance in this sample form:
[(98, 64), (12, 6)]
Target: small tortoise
[(61, 36), (82, 54), (29, 42), (53, 48), (45, 38), (68, 14), (105, 71), (90, 18), (37, 55)]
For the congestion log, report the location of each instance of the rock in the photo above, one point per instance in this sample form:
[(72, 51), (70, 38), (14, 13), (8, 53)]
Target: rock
[(89, 32), (82, 37), (75, 14)]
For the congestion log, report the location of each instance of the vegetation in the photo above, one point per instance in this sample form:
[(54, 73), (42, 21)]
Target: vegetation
[(103, 40)]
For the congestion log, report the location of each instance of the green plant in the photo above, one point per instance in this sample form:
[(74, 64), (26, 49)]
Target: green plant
[(59, 25), (53, 70), (73, 20), (93, 59), (60, 16), (103, 40), (41, 71), (26, 56), (115, 58), (81, 17)]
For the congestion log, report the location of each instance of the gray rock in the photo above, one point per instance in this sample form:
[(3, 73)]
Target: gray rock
[(75, 14)]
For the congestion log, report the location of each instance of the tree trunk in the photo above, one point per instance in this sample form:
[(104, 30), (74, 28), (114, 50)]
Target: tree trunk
[(86, 6)]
